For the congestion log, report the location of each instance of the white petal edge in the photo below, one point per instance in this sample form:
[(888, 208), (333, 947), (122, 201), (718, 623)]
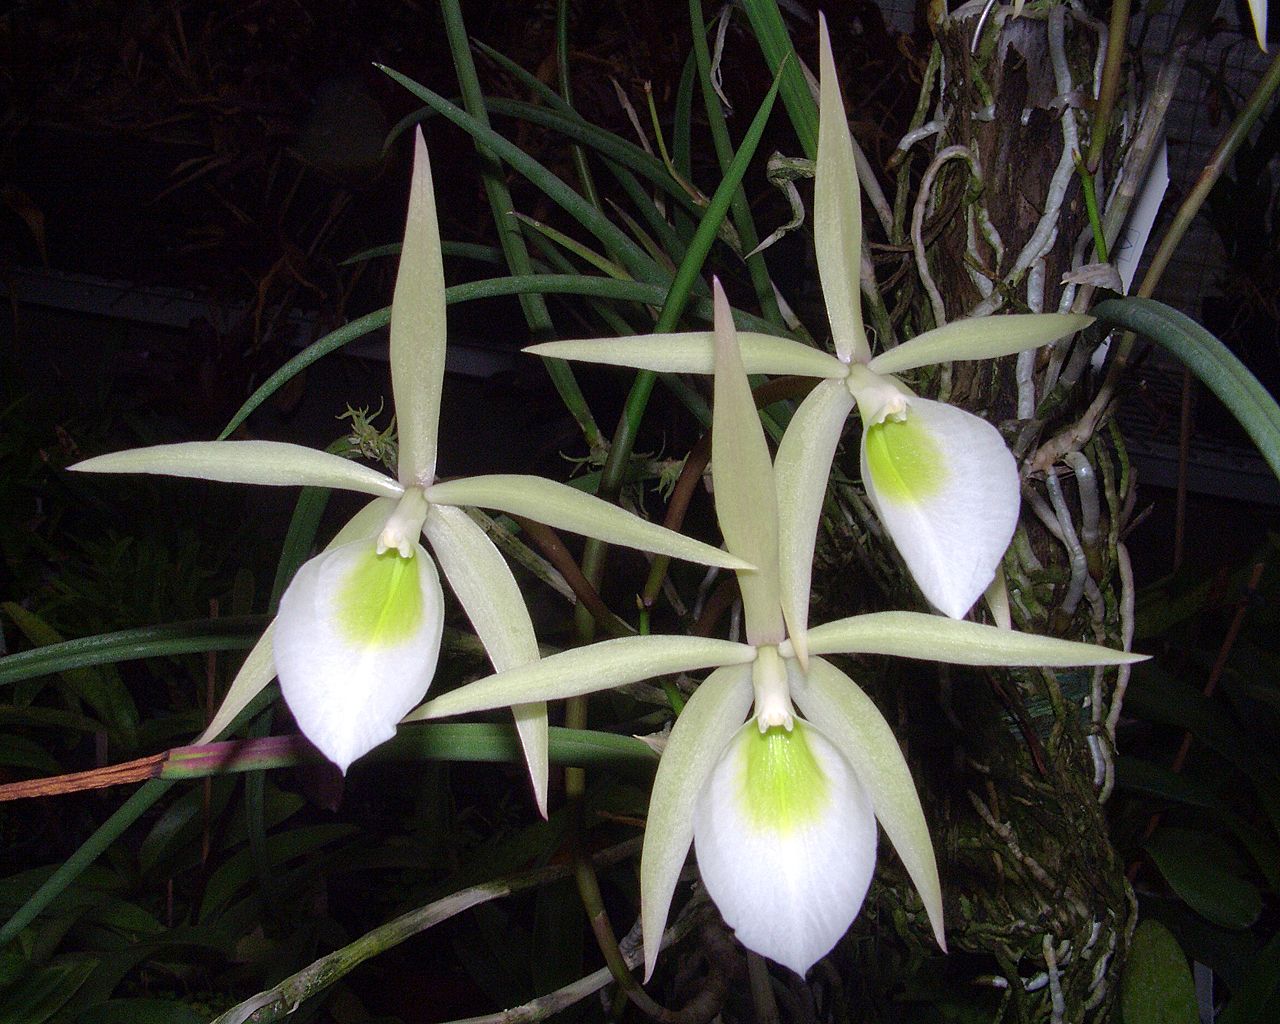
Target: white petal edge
[(710, 717), (982, 337), (854, 724), (259, 667), (563, 507), (789, 891), (694, 352), (837, 212), (1258, 14), (346, 696), (745, 494), (247, 462), (489, 594), (801, 471), (597, 666), (418, 328), (953, 537), (933, 638)]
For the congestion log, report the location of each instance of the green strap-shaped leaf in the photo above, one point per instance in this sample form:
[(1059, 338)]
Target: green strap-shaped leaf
[(418, 328), (937, 638), (981, 337), (101, 689), (1210, 360), (694, 352), (565, 508), (489, 594), (835, 704), (582, 670), (1157, 987), (233, 633), (744, 484), (635, 258), (247, 462), (710, 718), (1198, 867), (837, 212), (802, 468)]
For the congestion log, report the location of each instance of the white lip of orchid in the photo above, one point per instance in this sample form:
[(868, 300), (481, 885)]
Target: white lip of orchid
[(772, 693), (402, 530)]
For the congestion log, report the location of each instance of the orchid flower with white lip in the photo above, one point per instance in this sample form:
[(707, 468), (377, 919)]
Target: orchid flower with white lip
[(358, 632), (942, 480), (781, 809)]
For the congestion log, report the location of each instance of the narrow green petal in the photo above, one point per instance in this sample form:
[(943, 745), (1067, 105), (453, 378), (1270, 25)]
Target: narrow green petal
[(247, 462), (744, 485), (489, 594), (259, 667), (981, 337), (837, 213), (802, 468), (582, 670), (836, 705), (694, 352), (935, 638), (418, 328), (705, 726), (565, 508)]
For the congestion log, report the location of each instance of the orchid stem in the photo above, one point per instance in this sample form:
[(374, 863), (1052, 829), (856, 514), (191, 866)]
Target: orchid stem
[(1117, 31)]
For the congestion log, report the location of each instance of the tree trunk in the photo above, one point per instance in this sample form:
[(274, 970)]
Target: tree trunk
[(1013, 767)]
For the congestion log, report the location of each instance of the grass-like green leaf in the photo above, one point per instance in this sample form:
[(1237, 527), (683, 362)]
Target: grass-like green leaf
[(1197, 867), (634, 257), (514, 250), (775, 43), (197, 636), (101, 689), (1210, 360)]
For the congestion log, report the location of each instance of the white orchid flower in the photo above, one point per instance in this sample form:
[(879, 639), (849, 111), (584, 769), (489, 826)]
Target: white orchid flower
[(782, 810), (358, 632), (942, 480)]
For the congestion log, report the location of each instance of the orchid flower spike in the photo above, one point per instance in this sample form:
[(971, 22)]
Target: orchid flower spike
[(941, 480), (779, 765), (358, 633)]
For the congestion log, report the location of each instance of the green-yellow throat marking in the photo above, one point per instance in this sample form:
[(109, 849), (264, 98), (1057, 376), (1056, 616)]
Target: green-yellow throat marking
[(380, 604), (903, 460), (784, 787)]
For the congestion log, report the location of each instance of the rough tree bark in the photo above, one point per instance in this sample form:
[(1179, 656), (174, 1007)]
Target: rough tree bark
[(1015, 767)]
